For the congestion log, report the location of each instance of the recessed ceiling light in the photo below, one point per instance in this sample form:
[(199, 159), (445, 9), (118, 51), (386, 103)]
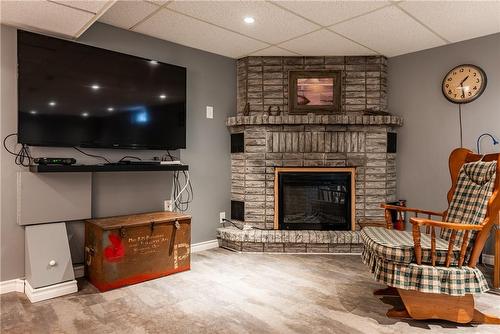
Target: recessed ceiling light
[(249, 19), (95, 87), (163, 96), (153, 62), (85, 114), (111, 109), (52, 103), (33, 112)]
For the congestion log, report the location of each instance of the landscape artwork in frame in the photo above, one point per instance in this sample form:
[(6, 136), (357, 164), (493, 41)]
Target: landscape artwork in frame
[(314, 91)]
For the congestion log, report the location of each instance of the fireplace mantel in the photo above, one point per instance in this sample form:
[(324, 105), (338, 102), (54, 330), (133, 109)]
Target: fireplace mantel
[(311, 119)]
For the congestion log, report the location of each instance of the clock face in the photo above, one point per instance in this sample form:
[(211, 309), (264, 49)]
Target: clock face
[(464, 83)]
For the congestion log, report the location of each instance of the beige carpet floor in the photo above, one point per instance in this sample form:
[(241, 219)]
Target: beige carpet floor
[(226, 292)]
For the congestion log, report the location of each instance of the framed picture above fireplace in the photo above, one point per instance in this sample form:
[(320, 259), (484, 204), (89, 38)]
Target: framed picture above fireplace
[(314, 92)]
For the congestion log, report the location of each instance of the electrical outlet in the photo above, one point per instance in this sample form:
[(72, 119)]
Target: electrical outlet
[(210, 112), (222, 216), (167, 205)]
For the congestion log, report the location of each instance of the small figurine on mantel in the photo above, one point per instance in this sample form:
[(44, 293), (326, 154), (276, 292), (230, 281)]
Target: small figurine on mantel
[(246, 110), (376, 113), (276, 112), (267, 112)]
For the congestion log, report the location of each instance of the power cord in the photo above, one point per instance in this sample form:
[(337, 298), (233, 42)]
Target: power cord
[(130, 157), (232, 223), (170, 156), (182, 191), (23, 157), (92, 155), (242, 227)]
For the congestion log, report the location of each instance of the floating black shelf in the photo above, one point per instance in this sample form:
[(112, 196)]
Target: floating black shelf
[(106, 168)]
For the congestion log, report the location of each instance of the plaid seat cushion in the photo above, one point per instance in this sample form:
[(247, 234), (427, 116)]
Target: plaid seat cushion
[(475, 184), (397, 246), (452, 281)]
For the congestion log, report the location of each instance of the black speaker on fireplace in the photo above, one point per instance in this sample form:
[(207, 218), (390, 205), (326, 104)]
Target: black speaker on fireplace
[(392, 142), (238, 210), (237, 142)]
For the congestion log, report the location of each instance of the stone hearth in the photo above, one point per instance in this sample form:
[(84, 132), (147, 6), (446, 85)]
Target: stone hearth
[(282, 241)]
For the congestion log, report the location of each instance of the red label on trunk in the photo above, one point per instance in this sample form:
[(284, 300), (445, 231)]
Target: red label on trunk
[(115, 251)]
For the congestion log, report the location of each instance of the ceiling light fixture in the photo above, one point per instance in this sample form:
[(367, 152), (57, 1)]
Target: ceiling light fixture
[(85, 114), (249, 20), (52, 103), (95, 87), (111, 109), (163, 96), (153, 62), (33, 112)]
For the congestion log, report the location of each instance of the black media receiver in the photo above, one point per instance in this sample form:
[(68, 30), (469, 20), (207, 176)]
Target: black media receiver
[(55, 161)]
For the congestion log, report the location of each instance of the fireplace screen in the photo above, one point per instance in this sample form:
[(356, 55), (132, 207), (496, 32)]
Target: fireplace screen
[(314, 200)]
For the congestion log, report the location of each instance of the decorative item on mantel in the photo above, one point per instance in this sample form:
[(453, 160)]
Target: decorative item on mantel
[(276, 111), (268, 111), (376, 112), (246, 111)]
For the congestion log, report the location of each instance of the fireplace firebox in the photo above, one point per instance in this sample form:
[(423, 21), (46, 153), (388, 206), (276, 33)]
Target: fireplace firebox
[(314, 198)]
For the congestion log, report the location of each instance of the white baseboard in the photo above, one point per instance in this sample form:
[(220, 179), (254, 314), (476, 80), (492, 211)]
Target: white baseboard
[(201, 246), (51, 291), (13, 285), (489, 259)]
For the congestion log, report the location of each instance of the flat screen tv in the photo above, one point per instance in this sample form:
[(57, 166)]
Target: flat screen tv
[(71, 94)]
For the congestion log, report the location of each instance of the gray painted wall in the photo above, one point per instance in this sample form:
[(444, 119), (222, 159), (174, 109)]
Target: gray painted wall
[(430, 130), (211, 81)]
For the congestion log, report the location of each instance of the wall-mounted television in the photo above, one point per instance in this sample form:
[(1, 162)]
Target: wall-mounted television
[(71, 94)]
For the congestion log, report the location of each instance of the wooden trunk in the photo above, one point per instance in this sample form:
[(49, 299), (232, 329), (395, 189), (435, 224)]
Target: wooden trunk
[(129, 249)]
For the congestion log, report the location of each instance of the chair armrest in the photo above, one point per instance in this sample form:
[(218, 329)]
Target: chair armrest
[(405, 209), (448, 225), (417, 222)]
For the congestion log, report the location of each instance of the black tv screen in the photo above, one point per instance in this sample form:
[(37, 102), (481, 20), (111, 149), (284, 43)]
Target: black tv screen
[(70, 94)]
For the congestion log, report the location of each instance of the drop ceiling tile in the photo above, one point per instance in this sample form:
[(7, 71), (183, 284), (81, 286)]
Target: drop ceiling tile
[(327, 13), (272, 24), (273, 51), (457, 21), (181, 29), (158, 2), (93, 6), (44, 16), (325, 43), (389, 31), (126, 14)]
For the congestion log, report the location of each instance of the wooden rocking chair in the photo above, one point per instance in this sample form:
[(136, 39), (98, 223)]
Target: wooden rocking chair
[(435, 274)]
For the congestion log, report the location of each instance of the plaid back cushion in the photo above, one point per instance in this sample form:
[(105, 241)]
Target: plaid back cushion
[(469, 203)]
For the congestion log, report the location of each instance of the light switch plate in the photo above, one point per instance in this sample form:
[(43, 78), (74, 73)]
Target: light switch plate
[(210, 112)]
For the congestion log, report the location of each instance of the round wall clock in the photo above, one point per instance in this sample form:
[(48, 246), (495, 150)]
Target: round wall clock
[(464, 83)]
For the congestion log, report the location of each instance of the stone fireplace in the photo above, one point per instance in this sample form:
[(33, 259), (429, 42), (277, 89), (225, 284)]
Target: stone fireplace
[(359, 141)]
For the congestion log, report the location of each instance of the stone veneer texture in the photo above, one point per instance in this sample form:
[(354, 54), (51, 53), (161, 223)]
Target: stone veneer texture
[(267, 146), (284, 241), (263, 81)]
